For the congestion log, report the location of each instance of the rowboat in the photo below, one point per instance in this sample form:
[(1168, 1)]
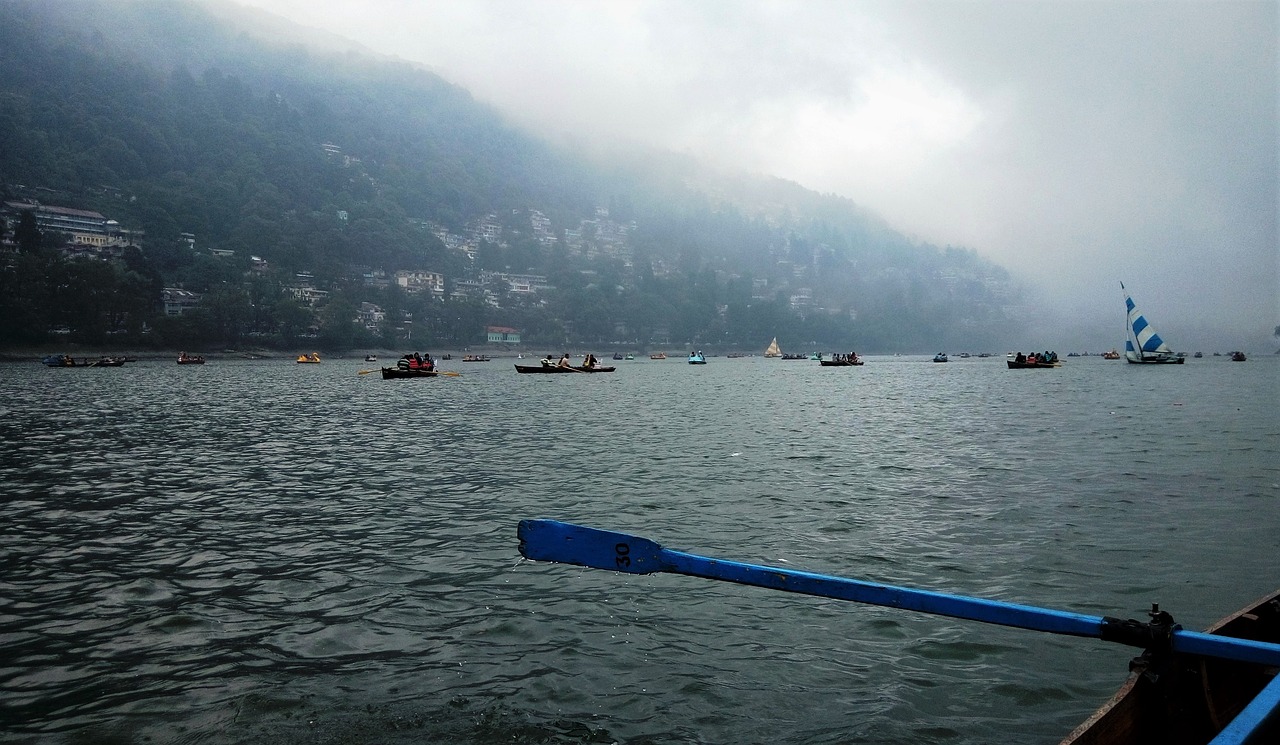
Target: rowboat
[(309, 359), (841, 360), (55, 360), (1171, 698), (553, 369), (1219, 687), (389, 373), (1020, 361)]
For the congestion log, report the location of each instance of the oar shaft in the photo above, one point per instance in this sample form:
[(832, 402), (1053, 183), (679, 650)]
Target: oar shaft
[(890, 596), (551, 540)]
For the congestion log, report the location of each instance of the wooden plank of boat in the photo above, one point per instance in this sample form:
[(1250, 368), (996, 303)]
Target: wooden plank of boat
[(1242, 651), (553, 369), (1180, 699)]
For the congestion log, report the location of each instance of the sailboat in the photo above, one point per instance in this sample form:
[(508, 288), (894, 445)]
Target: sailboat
[(773, 350), (1144, 345)]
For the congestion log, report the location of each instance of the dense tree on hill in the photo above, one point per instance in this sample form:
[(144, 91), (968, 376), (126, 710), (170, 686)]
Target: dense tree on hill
[(332, 164)]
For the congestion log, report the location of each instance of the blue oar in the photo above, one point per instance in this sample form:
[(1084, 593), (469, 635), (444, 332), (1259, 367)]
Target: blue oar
[(551, 540)]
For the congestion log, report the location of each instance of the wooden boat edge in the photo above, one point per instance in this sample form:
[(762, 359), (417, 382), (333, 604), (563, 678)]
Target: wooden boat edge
[(1116, 721)]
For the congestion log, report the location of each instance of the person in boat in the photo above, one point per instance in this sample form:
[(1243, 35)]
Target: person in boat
[(403, 362), (564, 361), (546, 361), (589, 361), (1020, 358), (428, 364)]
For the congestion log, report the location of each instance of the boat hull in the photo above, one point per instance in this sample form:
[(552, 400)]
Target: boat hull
[(1135, 359), (393, 373), (554, 370), (841, 363), (1183, 700), (1015, 365)]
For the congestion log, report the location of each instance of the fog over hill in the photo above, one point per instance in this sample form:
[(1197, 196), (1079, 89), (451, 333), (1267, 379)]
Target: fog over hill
[(428, 151), (1077, 144)]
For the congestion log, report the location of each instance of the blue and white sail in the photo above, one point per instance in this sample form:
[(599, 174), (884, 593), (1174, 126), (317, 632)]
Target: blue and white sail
[(1144, 344)]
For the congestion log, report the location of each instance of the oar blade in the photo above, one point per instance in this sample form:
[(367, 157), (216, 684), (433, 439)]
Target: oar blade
[(552, 540)]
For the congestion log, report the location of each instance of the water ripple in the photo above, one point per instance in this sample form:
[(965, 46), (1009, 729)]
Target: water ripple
[(264, 552)]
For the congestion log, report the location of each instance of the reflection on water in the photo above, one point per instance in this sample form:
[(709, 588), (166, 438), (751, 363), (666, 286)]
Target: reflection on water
[(260, 551)]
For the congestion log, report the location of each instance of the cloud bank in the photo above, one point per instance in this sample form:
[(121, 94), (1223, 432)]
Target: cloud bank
[(1077, 143)]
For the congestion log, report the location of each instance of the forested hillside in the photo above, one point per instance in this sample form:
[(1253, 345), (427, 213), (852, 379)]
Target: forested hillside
[(286, 188)]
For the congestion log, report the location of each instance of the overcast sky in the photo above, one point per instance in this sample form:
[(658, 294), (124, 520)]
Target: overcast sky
[(1077, 143)]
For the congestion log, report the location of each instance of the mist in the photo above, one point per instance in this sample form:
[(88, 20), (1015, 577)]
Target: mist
[(1077, 144)]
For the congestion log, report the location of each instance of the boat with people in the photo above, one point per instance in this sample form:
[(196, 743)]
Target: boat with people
[(396, 373), (773, 351), (1112, 355), (618, 356), (658, 356), (1220, 686), (188, 359), (555, 369), (66, 360), (309, 359), (475, 358), (841, 360), (1238, 357), (1033, 360), (371, 357), (697, 358), (1144, 345), (940, 357)]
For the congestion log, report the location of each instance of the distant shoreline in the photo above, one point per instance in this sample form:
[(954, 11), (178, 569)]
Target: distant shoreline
[(36, 354)]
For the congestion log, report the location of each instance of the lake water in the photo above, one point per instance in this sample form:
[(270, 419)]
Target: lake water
[(265, 552)]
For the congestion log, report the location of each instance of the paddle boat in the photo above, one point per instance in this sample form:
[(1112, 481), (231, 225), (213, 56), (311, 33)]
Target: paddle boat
[(658, 356), (697, 358), (187, 359), (1219, 686), (309, 359), (1238, 357), (371, 357), (940, 357)]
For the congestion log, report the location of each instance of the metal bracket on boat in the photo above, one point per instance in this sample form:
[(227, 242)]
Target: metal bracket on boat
[(1155, 635)]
